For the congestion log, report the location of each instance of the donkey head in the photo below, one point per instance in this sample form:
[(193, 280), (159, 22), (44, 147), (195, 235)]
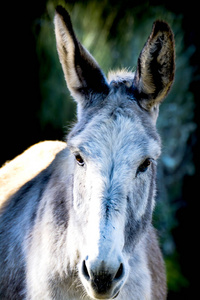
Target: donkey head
[(114, 148)]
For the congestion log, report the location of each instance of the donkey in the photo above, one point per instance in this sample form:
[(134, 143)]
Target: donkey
[(79, 226)]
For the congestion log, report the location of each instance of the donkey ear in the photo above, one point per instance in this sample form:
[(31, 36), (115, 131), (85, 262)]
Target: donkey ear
[(155, 69), (82, 73)]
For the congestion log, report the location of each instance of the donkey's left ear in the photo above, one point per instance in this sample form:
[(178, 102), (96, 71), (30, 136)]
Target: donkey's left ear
[(155, 69), (82, 73)]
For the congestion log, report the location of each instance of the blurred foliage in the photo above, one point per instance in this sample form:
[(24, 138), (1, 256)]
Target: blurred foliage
[(175, 280), (115, 35)]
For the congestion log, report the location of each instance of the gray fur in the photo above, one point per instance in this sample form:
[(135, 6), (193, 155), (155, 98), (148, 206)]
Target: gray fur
[(79, 225)]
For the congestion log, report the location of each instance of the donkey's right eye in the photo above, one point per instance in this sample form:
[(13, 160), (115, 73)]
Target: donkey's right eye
[(79, 160)]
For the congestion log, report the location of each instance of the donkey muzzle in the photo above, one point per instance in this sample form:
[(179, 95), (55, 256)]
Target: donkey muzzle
[(103, 279)]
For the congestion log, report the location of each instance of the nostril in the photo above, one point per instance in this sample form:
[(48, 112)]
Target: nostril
[(119, 272), (85, 271)]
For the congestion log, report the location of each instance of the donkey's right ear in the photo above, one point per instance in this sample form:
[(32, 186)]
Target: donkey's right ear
[(82, 73)]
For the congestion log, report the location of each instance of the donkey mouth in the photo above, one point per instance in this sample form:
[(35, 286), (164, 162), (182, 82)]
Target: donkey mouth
[(104, 296)]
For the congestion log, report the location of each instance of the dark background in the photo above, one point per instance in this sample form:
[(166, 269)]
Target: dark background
[(22, 97)]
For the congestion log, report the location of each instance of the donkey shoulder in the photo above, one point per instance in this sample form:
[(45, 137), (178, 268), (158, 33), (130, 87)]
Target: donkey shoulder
[(23, 168)]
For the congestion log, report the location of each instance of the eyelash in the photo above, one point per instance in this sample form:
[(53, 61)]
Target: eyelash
[(144, 166), (79, 160)]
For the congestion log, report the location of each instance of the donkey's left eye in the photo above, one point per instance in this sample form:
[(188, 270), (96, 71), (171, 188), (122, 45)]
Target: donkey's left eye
[(79, 160), (144, 166)]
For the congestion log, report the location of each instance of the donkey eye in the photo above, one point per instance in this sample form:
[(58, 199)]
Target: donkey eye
[(144, 166), (79, 160)]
